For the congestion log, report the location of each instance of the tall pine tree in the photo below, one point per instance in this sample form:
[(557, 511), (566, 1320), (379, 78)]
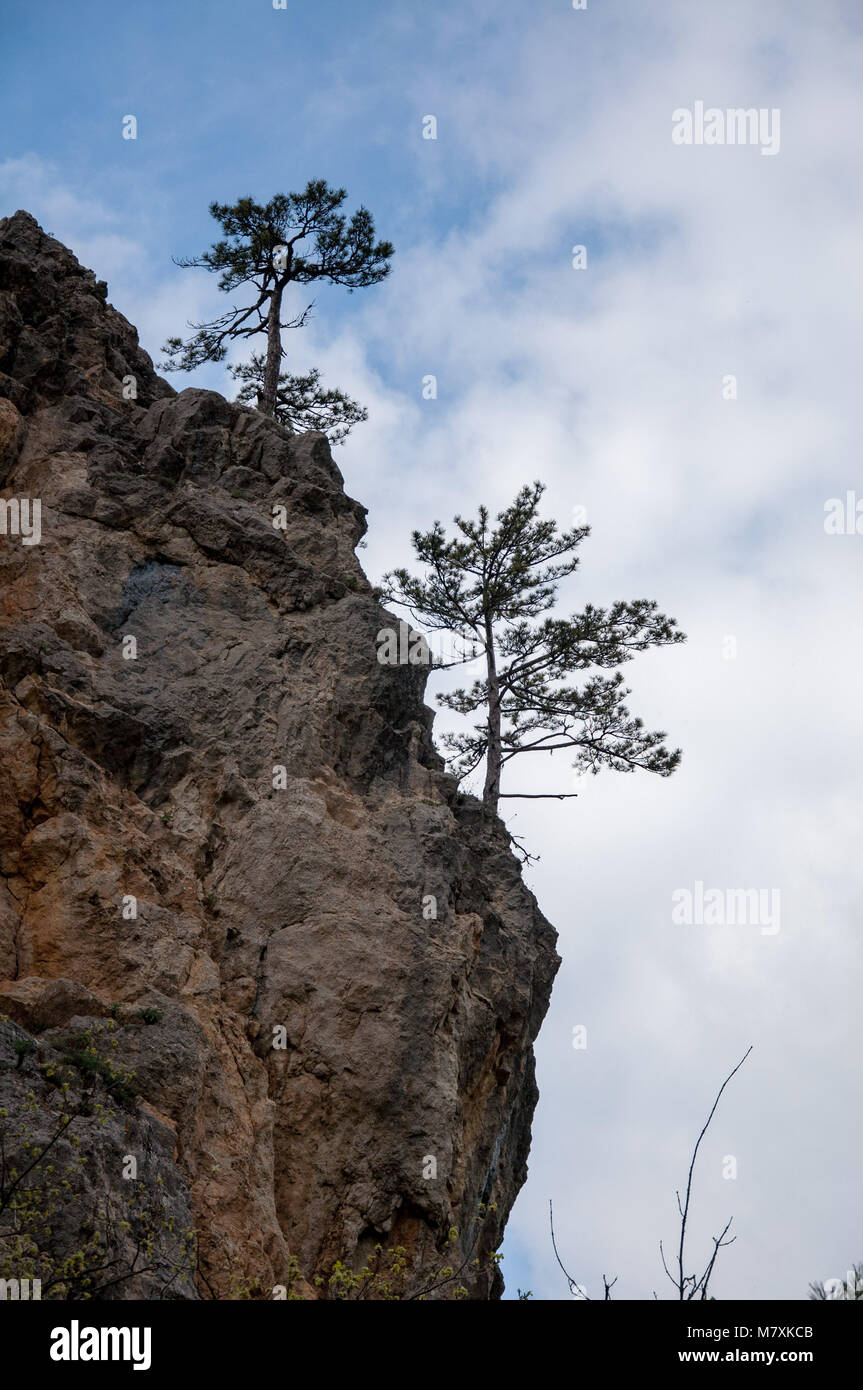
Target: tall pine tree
[(295, 238), (490, 586)]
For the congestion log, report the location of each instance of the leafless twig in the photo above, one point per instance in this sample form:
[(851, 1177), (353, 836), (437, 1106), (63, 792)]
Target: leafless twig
[(682, 1282), (688, 1285), (574, 1288)]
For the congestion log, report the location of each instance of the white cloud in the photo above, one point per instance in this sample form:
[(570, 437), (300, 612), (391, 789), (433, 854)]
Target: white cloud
[(606, 383)]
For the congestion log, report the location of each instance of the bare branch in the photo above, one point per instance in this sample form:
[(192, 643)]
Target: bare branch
[(539, 796), (574, 1288), (685, 1212)]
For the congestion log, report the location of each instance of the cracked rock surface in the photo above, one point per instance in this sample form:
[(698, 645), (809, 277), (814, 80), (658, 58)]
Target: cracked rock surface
[(163, 649)]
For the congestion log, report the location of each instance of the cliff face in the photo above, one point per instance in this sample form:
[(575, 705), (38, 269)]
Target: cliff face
[(313, 1039)]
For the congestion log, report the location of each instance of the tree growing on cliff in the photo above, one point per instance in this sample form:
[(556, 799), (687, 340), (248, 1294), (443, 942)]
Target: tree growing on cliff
[(489, 586), (295, 238)]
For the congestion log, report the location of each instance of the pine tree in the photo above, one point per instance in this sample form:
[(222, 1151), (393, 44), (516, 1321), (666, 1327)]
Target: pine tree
[(295, 238), (490, 586)]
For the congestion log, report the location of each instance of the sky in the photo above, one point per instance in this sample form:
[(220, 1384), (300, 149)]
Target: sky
[(694, 387)]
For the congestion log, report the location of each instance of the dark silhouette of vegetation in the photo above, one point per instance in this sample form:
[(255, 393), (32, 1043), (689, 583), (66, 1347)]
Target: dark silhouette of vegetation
[(295, 238), (487, 587)]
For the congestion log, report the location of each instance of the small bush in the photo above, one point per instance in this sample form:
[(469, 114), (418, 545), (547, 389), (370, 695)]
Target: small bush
[(81, 1054), (23, 1048)]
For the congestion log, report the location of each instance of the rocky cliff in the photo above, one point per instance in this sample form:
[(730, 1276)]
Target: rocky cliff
[(222, 826)]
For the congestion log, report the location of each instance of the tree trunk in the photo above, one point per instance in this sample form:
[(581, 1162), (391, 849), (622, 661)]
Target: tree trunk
[(267, 397), (491, 790)]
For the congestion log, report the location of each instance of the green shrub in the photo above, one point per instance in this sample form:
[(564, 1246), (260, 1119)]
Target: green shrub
[(23, 1048)]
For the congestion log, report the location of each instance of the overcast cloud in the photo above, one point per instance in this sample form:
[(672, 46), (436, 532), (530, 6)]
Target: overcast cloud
[(703, 262)]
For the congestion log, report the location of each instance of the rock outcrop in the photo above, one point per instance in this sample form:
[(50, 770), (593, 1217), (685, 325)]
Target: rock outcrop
[(222, 823)]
